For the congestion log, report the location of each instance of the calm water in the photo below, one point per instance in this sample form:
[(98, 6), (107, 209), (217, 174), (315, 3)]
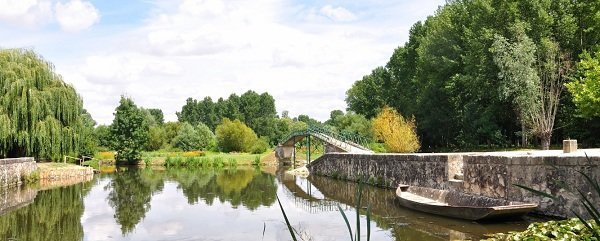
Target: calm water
[(225, 204)]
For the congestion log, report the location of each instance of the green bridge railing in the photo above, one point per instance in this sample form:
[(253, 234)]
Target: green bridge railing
[(344, 137)]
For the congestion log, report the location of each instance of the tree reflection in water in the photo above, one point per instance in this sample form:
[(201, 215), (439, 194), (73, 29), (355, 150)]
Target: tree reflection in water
[(54, 215), (248, 187), (131, 190), (130, 194)]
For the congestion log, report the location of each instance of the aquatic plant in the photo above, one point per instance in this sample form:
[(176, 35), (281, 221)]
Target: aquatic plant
[(570, 229), (256, 161), (357, 207)]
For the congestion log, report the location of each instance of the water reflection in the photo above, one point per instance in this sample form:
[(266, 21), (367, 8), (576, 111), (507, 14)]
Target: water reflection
[(54, 215), (130, 195), (248, 187), (217, 204), (406, 224)]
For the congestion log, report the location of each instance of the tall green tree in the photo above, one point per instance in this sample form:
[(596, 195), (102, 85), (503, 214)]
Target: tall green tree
[(586, 89), (40, 115), (158, 116), (129, 131), (445, 75)]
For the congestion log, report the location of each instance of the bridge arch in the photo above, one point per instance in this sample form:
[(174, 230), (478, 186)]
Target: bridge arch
[(333, 142)]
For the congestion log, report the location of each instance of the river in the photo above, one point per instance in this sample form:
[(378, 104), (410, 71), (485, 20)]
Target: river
[(221, 204)]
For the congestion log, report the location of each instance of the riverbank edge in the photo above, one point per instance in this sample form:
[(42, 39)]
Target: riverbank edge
[(15, 172), (486, 174)]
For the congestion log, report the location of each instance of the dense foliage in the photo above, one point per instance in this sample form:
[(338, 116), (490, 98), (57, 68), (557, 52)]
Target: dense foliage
[(570, 229), (129, 131), (451, 78), (190, 138), (586, 89), (256, 111), (40, 115), (396, 132), (235, 136)]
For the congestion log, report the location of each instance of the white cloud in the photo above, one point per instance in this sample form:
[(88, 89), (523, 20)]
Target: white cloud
[(28, 13), (338, 14), (218, 47), (76, 15)]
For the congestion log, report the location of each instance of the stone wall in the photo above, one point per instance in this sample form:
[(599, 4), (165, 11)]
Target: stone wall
[(496, 176), (13, 170), (486, 174), (15, 198), (385, 169)]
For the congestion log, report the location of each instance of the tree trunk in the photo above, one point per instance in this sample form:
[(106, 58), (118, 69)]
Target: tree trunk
[(545, 138), (523, 136)]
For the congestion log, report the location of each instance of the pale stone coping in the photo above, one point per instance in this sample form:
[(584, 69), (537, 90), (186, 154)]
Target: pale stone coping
[(542, 153), (595, 152), (7, 161)]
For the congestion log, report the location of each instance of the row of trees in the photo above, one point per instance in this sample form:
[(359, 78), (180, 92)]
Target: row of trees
[(257, 111), (491, 73)]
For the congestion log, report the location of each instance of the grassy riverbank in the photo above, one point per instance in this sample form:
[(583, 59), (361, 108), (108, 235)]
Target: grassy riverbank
[(193, 158)]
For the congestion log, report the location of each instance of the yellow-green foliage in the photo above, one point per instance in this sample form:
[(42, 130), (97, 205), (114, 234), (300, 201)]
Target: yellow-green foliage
[(586, 89), (235, 136), (39, 113), (570, 229), (105, 155), (397, 133)]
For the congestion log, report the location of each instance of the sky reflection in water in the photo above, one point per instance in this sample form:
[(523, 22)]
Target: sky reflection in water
[(225, 204)]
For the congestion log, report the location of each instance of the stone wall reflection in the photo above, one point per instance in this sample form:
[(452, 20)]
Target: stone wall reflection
[(54, 215)]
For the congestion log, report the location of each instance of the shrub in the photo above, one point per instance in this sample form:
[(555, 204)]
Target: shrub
[(570, 229), (218, 162), (260, 146), (397, 133), (231, 162), (105, 155), (256, 161), (235, 136)]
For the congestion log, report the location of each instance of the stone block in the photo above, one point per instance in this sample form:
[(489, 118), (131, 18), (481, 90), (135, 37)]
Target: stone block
[(569, 146)]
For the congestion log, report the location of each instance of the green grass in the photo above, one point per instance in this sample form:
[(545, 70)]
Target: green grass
[(195, 159), (210, 159)]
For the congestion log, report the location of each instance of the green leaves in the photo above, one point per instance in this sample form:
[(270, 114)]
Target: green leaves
[(40, 115), (129, 131), (586, 89), (235, 136), (570, 229), (199, 138)]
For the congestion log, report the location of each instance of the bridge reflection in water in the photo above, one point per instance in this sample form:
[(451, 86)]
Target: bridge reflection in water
[(321, 194)]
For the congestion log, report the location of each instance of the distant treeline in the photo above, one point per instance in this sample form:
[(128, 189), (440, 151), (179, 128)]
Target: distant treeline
[(257, 111), (465, 73)]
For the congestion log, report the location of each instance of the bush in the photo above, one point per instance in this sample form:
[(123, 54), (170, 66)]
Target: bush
[(397, 133), (260, 146), (157, 137), (570, 229), (235, 136), (189, 138), (256, 161)]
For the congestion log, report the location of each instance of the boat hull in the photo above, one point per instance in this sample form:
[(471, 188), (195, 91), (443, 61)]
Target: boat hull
[(425, 201)]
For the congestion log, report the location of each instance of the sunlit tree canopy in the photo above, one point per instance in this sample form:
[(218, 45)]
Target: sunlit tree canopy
[(40, 115)]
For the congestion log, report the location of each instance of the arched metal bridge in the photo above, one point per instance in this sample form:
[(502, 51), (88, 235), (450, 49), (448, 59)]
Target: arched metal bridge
[(333, 142)]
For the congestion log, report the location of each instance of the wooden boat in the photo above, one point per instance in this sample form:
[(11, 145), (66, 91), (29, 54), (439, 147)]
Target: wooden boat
[(459, 205)]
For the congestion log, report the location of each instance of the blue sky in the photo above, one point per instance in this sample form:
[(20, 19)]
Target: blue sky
[(160, 52)]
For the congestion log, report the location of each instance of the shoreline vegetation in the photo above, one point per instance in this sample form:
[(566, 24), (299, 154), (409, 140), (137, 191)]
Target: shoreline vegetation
[(187, 159)]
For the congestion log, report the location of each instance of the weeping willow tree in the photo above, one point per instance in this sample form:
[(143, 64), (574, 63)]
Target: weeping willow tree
[(40, 115)]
